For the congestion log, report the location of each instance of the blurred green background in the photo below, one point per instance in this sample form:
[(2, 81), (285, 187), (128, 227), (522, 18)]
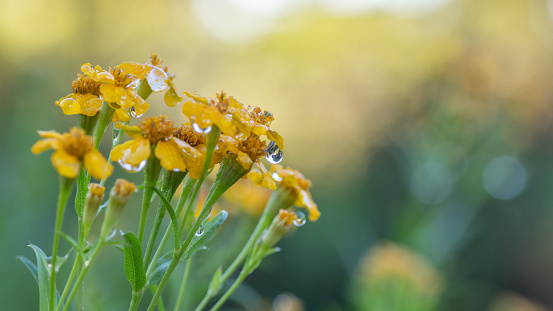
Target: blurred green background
[(427, 123)]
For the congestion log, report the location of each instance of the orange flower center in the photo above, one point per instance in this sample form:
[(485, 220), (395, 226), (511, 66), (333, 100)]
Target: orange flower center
[(253, 147), (221, 102), (287, 217), (261, 117), (122, 79), (96, 190), (85, 85), (188, 135), (77, 143), (155, 61), (156, 129), (123, 188)]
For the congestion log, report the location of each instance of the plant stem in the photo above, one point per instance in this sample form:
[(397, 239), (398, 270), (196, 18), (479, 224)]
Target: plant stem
[(135, 301), (183, 284), (212, 139), (66, 185), (151, 173), (106, 114), (237, 282)]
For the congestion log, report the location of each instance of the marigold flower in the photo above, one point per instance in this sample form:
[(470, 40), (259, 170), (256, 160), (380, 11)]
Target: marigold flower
[(158, 77), (293, 179), (249, 151), (117, 88), (153, 134), (85, 98), (71, 151), (194, 154)]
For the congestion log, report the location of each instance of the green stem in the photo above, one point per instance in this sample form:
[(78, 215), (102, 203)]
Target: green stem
[(83, 272), (143, 89), (135, 301), (212, 139), (74, 270), (183, 284), (184, 195), (281, 198), (106, 114), (237, 282), (87, 123), (151, 173), (66, 185)]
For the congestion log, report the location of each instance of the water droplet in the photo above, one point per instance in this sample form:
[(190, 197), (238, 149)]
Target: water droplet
[(114, 135), (200, 130), (200, 231), (111, 235), (49, 265), (86, 263), (276, 176), (275, 154), (134, 114), (300, 220), (277, 249), (130, 168)]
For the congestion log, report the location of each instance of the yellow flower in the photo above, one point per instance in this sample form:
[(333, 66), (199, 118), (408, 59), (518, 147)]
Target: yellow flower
[(71, 151), (153, 134), (85, 98), (248, 197), (194, 150), (158, 77), (248, 151), (117, 89), (293, 179)]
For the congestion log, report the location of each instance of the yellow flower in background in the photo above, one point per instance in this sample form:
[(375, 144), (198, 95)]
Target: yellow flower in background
[(85, 98), (292, 178), (389, 261), (117, 88), (248, 197), (195, 152), (71, 151), (158, 77), (153, 134)]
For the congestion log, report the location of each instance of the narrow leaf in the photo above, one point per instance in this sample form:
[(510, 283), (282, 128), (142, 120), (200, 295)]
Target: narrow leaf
[(160, 268), (43, 274), (133, 262), (30, 265), (172, 214), (215, 283), (210, 227)]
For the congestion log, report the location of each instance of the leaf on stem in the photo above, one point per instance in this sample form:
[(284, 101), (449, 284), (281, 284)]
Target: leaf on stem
[(160, 268), (133, 262), (210, 227), (43, 277)]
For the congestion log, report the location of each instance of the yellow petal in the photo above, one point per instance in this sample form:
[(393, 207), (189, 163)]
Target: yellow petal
[(170, 156), (121, 115), (266, 180), (139, 105), (133, 68), (193, 110), (49, 134), (244, 160), (66, 164), (89, 103), (132, 152), (97, 165), (112, 93), (304, 200), (133, 131), (45, 144), (171, 97)]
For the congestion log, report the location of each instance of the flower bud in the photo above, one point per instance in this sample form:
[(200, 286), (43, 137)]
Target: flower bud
[(93, 199), (118, 197), (279, 227)]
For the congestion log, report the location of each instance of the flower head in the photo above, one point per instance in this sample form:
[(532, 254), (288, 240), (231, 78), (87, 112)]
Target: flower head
[(71, 151), (153, 134), (85, 98), (117, 88), (158, 77), (193, 150), (295, 180)]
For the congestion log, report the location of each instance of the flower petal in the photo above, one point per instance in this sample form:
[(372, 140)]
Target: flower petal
[(45, 144), (50, 134), (266, 180), (132, 152), (170, 156), (66, 165), (97, 165), (133, 68), (89, 103), (304, 200), (171, 97), (121, 115)]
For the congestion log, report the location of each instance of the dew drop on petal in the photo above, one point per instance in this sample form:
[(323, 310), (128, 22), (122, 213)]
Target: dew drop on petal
[(200, 231), (200, 130), (134, 114), (276, 176), (300, 220), (275, 154), (130, 168)]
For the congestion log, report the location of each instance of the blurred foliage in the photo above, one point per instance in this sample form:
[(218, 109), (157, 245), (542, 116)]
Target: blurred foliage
[(401, 119)]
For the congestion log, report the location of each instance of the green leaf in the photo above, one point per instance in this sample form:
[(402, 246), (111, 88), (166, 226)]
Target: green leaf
[(30, 265), (82, 189), (215, 283), (73, 243), (160, 268), (198, 242), (172, 214), (43, 277), (133, 262)]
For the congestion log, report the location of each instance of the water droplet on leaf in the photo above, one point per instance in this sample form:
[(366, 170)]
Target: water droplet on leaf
[(275, 154), (200, 231)]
